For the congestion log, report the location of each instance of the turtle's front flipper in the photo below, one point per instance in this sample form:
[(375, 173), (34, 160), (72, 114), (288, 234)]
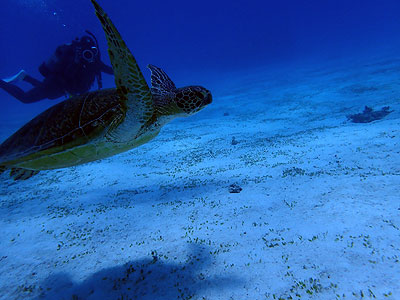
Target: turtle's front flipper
[(130, 82)]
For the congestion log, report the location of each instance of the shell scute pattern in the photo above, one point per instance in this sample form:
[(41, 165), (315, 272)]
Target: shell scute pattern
[(87, 115)]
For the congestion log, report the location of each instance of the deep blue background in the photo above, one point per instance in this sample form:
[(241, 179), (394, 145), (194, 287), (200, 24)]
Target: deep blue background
[(201, 41)]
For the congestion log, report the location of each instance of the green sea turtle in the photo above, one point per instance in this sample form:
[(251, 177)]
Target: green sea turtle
[(102, 123)]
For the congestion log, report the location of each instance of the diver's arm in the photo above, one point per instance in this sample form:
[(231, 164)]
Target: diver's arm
[(106, 69)]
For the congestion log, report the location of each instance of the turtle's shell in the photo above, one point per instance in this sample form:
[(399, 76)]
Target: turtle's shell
[(66, 125)]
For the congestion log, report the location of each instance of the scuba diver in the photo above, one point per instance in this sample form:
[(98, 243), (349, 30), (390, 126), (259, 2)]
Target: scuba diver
[(71, 70)]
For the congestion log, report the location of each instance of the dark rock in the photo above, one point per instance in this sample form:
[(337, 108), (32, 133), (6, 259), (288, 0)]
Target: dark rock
[(369, 115), (234, 141), (234, 188)]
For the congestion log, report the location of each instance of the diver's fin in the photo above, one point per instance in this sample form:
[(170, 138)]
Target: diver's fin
[(22, 174), (161, 84), (16, 78)]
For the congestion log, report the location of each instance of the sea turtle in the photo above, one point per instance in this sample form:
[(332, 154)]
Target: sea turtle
[(101, 123)]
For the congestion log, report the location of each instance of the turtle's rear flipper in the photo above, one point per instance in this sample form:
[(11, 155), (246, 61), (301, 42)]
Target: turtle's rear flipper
[(22, 174), (2, 169)]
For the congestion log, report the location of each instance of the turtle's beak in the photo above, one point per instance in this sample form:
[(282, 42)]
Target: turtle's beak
[(208, 99)]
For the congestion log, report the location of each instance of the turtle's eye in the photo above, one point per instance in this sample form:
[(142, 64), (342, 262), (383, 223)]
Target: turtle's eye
[(200, 95)]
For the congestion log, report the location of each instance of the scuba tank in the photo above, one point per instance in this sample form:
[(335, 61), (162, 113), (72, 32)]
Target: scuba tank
[(74, 50)]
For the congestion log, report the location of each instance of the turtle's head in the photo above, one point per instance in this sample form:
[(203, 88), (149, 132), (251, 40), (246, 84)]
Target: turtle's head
[(191, 99)]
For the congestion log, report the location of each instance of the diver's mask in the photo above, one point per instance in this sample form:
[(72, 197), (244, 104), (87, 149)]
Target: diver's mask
[(90, 54)]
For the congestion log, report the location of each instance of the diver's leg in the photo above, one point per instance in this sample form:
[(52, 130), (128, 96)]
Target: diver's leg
[(14, 91), (32, 80), (36, 94)]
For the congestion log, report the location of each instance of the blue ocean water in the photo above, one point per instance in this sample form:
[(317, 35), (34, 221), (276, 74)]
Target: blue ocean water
[(318, 191), (207, 37)]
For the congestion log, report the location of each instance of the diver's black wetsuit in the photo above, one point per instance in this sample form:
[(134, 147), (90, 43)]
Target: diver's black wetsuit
[(66, 72)]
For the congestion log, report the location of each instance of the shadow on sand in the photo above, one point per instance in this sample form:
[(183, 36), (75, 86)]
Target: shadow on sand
[(147, 279)]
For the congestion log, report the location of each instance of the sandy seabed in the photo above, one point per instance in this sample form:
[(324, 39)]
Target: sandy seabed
[(318, 216)]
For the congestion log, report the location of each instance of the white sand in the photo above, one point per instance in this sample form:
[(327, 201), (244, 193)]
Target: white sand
[(318, 216)]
